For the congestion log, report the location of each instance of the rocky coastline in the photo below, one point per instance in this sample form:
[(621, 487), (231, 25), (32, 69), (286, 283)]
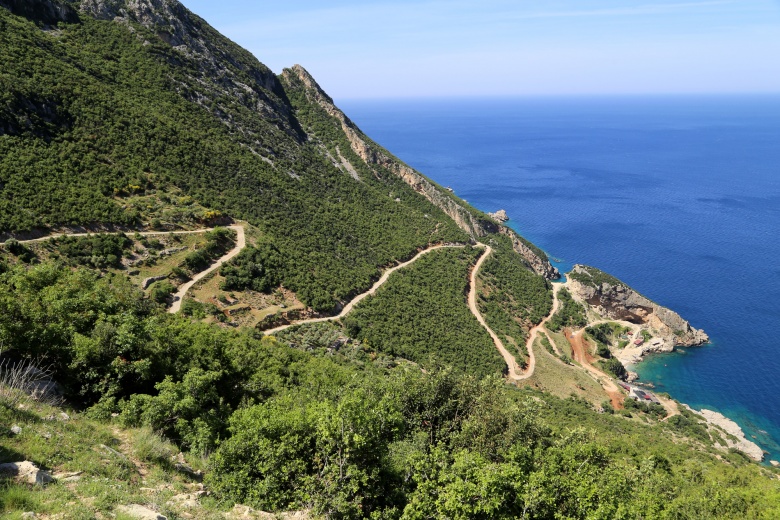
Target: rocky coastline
[(614, 300), (734, 436)]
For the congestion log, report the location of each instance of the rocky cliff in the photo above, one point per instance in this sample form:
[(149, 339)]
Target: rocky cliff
[(221, 71), (469, 220), (615, 300)]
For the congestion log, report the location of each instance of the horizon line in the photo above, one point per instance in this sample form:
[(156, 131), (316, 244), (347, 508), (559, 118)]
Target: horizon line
[(424, 97)]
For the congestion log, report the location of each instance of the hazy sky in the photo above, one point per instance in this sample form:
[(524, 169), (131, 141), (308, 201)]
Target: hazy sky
[(422, 48)]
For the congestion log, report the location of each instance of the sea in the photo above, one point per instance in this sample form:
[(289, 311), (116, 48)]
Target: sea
[(678, 196)]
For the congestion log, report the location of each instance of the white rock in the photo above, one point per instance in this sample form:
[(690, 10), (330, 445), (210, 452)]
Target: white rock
[(16, 429), (26, 471), (73, 476), (749, 448), (186, 500), (140, 512)]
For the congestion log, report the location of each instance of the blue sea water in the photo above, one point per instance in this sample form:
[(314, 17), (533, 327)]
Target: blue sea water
[(677, 196)]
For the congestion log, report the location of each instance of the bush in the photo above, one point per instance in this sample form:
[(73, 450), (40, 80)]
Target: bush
[(255, 268), (570, 313), (614, 367), (19, 250), (162, 290), (101, 251), (218, 243), (190, 411), (150, 446)]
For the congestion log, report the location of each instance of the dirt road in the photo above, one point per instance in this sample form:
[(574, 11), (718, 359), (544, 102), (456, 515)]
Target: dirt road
[(584, 357), (142, 233), (182, 290), (349, 306), (514, 371)]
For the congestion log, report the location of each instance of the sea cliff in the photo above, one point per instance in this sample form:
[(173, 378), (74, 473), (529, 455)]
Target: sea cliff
[(614, 300)]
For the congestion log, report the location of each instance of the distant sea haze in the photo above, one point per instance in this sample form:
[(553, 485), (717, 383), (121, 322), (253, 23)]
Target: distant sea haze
[(677, 196)]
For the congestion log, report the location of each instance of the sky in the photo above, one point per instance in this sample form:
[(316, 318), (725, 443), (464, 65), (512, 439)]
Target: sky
[(434, 48)]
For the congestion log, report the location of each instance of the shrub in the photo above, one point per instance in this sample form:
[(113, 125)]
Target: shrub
[(162, 290), (150, 446), (614, 367), (255, 268)]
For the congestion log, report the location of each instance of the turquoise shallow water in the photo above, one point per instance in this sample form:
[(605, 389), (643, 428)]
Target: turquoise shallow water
[(677, 196)]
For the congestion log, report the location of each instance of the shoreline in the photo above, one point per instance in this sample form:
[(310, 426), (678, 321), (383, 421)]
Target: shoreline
[(631, 356), (724, 423)]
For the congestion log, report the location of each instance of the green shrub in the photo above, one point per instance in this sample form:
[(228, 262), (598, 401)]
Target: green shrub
[(255, 268), (615, 367), (150, 446), (101, 250), (569, 314), (162, 290)]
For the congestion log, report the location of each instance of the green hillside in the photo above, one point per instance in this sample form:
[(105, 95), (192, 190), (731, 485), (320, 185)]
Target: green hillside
[(119, 115), (100, 122)]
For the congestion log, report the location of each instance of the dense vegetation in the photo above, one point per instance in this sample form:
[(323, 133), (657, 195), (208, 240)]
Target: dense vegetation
[(569, 314), (314, 420), (593, 277), (95, 114), (512, 298), (218, 242), (609, 333), (255, 268), (106, 122), (421, 314)]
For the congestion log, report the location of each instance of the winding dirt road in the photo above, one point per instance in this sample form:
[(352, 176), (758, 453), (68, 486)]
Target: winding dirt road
[(514, 371), (582, 356), (142, 233), (348, 307), (177, 297), (183, 288)]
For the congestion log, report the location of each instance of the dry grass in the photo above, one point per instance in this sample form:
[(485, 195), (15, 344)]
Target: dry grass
[(554, 376)]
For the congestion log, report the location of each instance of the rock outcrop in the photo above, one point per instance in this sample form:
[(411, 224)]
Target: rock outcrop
[(25, 471), (615, 300), (140, 512), (220, 68), (469, 220), (718, 421), (499, 216), (536, 259), (47, 12)]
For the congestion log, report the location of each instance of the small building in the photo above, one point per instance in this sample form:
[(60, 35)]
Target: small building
[(641, 395)]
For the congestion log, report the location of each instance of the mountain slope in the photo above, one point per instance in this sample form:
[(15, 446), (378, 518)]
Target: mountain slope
[(121, 113), (103, 118)]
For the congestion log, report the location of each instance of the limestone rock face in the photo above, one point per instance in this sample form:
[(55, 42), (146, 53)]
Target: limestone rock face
[(373, 155), (617, 301), (499, 215), (539, 264)]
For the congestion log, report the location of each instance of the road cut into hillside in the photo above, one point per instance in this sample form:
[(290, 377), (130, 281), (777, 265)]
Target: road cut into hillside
[(379, 283), (183, 288)]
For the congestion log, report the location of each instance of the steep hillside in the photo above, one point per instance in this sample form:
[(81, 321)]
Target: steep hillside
[(125, 103), (135, 115), (114, 120)]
